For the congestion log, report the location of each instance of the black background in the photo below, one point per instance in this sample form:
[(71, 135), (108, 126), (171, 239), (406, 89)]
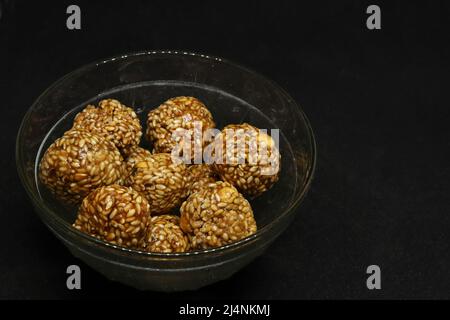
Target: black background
[(377, 101)]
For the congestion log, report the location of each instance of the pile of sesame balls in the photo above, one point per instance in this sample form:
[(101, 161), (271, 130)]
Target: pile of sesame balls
[(141, 199)]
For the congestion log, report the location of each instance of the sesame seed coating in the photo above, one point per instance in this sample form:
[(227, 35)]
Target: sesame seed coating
[(112, 120), (116, 214), (165, 235), (250, 173), (198, 176), (176, 113), (216, 215), (160, 180), (135, 155), (78, 163)]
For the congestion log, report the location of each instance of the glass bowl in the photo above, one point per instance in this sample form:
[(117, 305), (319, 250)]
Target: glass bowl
[(234, 94)]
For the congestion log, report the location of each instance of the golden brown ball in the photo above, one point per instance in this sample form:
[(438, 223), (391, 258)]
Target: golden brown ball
[(175, 114), (116, 214), (160, 180), (165, 235), (216, 215), (113, 121), (135, 155), (199, 176), (250, 160), (78, 163)]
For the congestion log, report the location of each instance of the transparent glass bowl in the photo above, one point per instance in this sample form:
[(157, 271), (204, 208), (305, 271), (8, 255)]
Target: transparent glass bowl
[(143, 80)]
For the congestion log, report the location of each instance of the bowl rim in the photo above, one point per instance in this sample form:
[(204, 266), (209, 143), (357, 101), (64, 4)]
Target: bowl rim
[(223, 249)]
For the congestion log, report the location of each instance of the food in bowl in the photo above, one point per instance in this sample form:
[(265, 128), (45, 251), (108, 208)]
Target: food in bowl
[(160, 180), (116, 214), (198, 176), (249, 161), (113, 121), (217, 215), (165, 235), (78, 163), (143, 80), (127, 201), (135, 155), (175, 114)]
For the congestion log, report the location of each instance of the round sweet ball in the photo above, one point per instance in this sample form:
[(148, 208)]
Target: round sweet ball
[(116, 214), (137, 154), (162, 181), (78, 163), (216, 215), (199, 176), (174, 114), (165, 235), (113, 121), (250, 159)]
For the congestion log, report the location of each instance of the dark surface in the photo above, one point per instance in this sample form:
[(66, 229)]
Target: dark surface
[(375, 99)]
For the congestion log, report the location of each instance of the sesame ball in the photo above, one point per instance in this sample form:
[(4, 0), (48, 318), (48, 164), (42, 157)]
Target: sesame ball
[(216, 215), (165, 235), (112, 120), (78, 163), (242, 163), (137, 154), (160, 180), (199, 176), (116, 214), (174, 114)]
